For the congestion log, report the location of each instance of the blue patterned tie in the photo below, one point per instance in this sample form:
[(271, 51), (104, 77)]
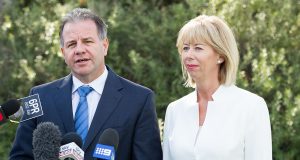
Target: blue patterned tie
[(82, 112)]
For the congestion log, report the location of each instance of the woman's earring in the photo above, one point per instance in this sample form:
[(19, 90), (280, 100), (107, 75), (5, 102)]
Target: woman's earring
[(219, 61)]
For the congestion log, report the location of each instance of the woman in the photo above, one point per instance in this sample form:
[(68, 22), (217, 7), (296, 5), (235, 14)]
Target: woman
[(218, 121)]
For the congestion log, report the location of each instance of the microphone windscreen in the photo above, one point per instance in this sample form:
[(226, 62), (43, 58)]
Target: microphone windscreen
[(110, 137), (72, 137), (46, 141), (10, 107)]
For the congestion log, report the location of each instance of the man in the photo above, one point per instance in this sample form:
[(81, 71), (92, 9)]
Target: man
[(110, 102)]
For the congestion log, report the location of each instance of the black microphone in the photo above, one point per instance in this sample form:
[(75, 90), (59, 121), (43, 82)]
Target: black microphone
[(46, 141), (18, 115), (7, 109), (72, 137), (107, 145), (71, 147)]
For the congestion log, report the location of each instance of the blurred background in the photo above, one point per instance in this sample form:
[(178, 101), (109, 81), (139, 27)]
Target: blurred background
[(142, 48)]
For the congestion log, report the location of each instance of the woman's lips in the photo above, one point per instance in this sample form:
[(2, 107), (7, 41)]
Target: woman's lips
[(191, 66)]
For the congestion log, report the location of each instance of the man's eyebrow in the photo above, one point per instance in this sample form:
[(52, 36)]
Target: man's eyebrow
[(70, 41), (88, 38)]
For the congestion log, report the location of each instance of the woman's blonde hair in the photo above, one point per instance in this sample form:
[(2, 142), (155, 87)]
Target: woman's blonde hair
[(214, 32)]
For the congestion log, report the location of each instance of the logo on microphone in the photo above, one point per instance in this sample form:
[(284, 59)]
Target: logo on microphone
[(104, 152), (71, 150), (32, 107)]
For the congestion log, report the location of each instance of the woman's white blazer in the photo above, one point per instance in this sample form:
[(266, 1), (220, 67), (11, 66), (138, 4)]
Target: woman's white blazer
[(236, 127)]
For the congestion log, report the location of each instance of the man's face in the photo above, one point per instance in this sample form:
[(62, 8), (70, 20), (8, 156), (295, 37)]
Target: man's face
[(83, 50)]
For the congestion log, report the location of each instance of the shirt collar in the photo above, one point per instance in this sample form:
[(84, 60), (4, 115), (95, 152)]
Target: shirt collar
[(97, 84), (217, 95), (222, 92)]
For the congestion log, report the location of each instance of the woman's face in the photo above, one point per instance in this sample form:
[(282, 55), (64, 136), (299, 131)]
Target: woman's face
[(201, 61)]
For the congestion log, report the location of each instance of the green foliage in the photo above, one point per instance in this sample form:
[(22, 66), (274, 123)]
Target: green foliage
[(270, 63), (29, 47), (142, 48)]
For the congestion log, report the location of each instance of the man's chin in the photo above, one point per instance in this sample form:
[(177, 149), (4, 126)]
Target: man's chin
[(81, 73)]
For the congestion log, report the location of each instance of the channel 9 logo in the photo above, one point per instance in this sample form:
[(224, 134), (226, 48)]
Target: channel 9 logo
[(104, 152)]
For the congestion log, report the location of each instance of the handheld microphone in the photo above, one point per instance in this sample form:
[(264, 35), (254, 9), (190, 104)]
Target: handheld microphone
[(71, 147), (107, 145), (18, 115), (7, 109), (46, 141)]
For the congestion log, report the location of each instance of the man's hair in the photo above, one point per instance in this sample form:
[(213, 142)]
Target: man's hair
[(79, 14), (214, 32)]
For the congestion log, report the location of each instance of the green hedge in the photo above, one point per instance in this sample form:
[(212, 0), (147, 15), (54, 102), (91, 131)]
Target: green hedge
[(142, 37)]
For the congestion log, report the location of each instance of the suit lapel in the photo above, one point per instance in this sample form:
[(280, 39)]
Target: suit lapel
[(63, 103), (107, 104)]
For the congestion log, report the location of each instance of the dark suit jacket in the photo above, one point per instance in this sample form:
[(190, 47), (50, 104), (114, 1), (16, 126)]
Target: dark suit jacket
[(125, 106)]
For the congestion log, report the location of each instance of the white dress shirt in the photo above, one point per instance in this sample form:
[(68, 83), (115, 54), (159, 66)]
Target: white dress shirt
[(93, 97), (236, 127)]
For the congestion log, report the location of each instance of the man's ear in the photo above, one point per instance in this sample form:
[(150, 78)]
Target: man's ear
[(63, 53), (105, 44)]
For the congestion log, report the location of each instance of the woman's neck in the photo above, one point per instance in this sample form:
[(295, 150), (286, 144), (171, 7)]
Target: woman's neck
[(206, 90)]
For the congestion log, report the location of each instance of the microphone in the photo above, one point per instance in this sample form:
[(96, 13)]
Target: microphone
[(71, 147), (7, 109), (46, 141), (107, 145), (18, 115)]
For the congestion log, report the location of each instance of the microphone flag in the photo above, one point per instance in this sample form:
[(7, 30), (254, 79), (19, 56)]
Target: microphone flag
[(104, 152), (31, 106), (71, 150)]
